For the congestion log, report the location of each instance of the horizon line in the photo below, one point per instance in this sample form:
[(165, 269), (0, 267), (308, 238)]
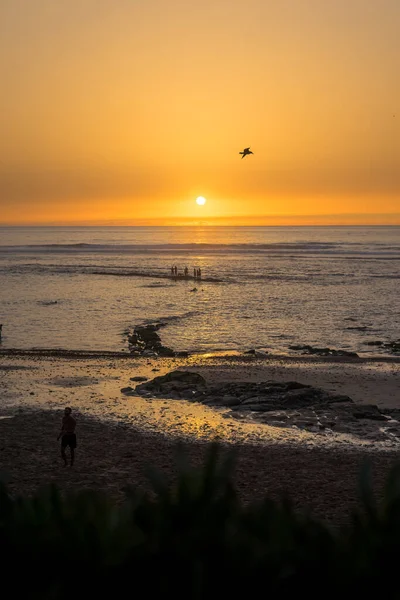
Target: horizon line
[(329, 220)]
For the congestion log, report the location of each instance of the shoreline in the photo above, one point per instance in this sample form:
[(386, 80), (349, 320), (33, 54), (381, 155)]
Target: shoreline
[(228, 355), (44, 380), (120, 435)]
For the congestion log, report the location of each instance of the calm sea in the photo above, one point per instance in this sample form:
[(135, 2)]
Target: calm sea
[(262, 287)]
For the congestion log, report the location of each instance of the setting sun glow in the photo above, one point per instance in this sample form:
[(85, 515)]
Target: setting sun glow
[(312, 86)]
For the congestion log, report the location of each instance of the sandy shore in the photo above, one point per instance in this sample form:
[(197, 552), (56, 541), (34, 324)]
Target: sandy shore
[(118, 435)]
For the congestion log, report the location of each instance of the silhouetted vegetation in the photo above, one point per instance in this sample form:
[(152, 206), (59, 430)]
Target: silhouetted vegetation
[(195, 539)]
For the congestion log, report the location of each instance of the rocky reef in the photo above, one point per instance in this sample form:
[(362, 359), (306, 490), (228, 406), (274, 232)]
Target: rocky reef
[(306, 349), (145, 341), (281, 404), (393, 347)]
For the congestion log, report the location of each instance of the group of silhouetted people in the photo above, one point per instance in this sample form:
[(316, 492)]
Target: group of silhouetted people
[(196, 272)]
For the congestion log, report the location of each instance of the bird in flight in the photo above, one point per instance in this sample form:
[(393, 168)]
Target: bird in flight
[(246, 152)]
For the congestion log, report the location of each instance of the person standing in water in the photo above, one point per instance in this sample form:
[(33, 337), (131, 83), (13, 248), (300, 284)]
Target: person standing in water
[(186, 271), (67, 435)]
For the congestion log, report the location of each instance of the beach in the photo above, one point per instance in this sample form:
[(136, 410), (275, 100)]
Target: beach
[(120, 436), (292, 337)]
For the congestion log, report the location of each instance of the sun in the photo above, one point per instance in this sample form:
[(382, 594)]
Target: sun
[(201, 201)]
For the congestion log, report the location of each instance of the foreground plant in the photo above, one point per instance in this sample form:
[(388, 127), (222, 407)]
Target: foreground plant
[(194, 539)]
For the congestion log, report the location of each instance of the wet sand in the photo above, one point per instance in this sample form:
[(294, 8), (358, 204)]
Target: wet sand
[(119, 436)]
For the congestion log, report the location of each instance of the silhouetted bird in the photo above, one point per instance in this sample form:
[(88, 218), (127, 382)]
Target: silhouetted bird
[(245, 152)]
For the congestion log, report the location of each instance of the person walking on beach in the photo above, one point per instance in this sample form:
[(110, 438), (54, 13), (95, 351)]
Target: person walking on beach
[(176, 271), (195, 273), (186, 271), (67, 435), (172, 271), (199, 273)]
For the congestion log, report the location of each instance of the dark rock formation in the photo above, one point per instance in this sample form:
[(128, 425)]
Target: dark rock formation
[(281, 404), (256, 353), (129, 391), (176, 384), (306, 349), (368, 411), (266, 396), (145, 341), (393, 346)]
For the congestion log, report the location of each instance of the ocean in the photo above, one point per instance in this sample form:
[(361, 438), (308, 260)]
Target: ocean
[(83, 288)]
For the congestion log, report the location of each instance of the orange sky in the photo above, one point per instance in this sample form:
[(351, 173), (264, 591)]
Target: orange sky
[(124, 111)]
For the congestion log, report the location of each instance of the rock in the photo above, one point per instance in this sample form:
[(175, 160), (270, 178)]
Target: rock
[(175, 381), (393, 346), (129, 391), (252, 401), (152, 328), (336, 398), (257, 353), (145, 341), (276, 403), (300, 397), (180, 386), (212, 401), (265, 396), (149, 353), (395, 430), (165, 351), (239, 416), (299, 347), (186, 376), (323, 351), (230, 400), (295, 385), (368, 411), (394, 413), (139, 378)]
